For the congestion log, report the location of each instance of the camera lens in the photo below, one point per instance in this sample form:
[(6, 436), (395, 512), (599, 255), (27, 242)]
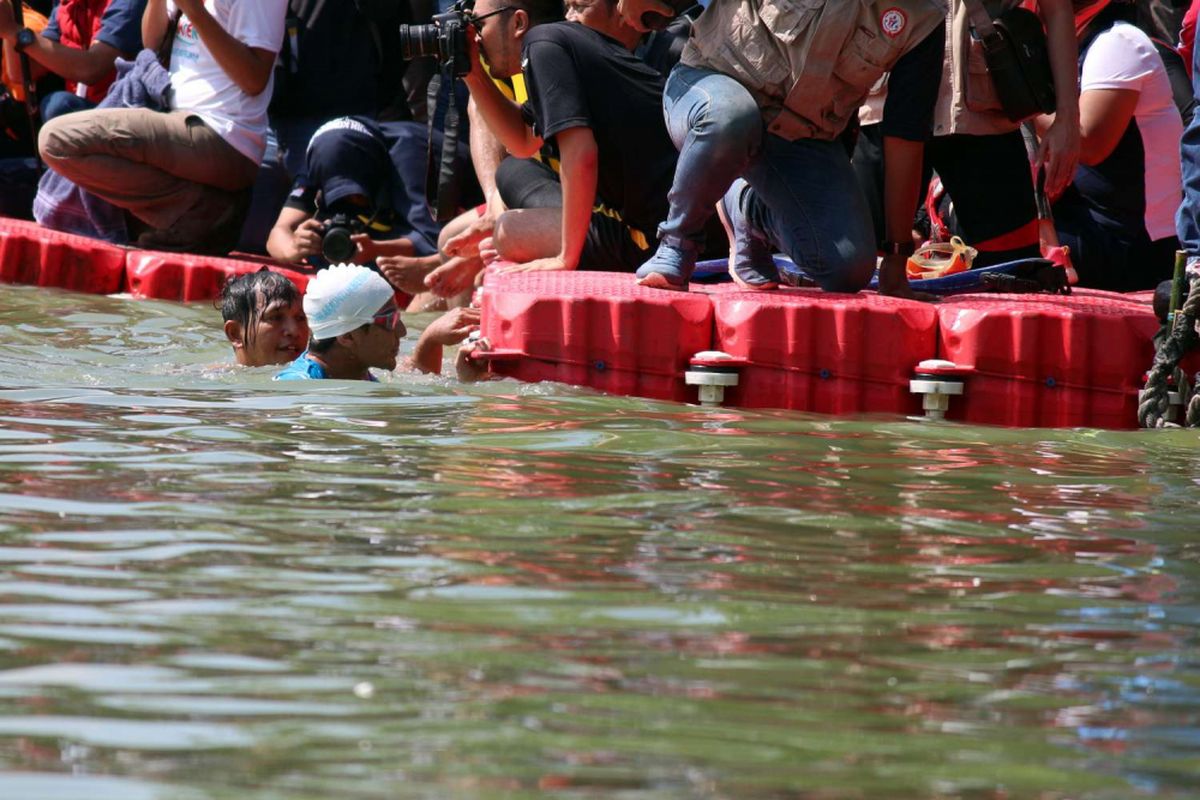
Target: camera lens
[(336, 245), (419, 41)]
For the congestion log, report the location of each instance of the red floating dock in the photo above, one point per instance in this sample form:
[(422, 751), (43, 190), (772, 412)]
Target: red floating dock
[(596, 329), (37, 256), (187, 278), (1019, 360), (808, 350), (1048, 360)]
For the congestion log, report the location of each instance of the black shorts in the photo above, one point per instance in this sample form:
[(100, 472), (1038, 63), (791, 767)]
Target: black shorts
[(989, 180), (611, 244)]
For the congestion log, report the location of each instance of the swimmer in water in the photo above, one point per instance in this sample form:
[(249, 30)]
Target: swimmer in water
[(354, 325), (264, 318)]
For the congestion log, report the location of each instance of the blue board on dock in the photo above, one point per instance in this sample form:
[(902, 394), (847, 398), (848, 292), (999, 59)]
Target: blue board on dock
[(974, 280)]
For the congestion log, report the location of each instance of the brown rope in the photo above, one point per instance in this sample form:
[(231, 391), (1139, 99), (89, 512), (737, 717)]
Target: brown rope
[(1154, 399)]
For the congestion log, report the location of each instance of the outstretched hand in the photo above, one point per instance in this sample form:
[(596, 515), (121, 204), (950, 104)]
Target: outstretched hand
[(468, 368), (466, 243), (454, 277), (453, 326)]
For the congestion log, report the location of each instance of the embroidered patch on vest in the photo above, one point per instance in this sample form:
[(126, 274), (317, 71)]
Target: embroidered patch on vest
[(893, 22)]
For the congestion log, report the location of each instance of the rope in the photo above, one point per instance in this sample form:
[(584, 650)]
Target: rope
[(1153, 401), (1193, 410)]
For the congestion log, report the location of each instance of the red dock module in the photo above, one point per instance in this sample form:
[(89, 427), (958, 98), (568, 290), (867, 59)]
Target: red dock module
[(31, 254), (828, 353), (1048, 361), (596, 329), (187, 278)]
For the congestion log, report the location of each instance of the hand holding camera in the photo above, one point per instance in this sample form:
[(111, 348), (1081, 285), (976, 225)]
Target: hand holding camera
[(306, 239), (339, 234)]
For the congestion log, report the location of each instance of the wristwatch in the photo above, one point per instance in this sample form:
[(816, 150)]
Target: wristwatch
[(25, 37), (898, 248)]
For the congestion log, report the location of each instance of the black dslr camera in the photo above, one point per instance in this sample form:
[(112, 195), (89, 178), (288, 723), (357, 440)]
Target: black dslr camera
[(444, 39), (336, 243)]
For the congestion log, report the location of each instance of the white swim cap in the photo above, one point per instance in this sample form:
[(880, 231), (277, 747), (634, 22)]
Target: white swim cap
[(344, 297)]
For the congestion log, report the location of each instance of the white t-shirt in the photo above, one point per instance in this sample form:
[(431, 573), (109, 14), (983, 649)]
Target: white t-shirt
[(201, 86), (1123, 57)]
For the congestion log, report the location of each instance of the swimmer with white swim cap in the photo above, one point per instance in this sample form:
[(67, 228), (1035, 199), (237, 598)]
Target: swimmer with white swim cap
[(355, 325)]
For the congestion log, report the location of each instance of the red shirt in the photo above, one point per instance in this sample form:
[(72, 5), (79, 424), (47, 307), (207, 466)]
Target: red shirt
[(1187, 36)]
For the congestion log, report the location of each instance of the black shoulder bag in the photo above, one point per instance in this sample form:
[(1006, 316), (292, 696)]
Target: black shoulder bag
[(1018, 59), (167, 45), (441, 180)]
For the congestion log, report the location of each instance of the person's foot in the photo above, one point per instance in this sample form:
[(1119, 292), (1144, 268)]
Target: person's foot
[(406, 273), (669, 268), (750, 263), (454, 277)]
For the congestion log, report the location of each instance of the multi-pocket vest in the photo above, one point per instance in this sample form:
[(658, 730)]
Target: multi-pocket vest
[(809, 63)]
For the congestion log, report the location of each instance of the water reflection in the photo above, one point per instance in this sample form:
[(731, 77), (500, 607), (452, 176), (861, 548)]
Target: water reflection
[(212, 588)]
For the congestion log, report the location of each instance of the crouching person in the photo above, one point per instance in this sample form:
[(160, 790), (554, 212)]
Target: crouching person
[(185, 173), (757, 105)]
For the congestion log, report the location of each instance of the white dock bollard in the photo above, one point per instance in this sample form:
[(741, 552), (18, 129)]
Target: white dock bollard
[(937, 381), (713, 372)]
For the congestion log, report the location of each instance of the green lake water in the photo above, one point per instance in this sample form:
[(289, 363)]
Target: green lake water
[(213, 587)]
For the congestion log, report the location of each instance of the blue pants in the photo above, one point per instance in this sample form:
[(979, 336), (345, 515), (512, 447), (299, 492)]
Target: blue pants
[(804, 197), (1187, 221), (56, 104)]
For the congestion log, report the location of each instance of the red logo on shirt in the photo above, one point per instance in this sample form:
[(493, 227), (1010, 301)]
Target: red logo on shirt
[(893, 22)]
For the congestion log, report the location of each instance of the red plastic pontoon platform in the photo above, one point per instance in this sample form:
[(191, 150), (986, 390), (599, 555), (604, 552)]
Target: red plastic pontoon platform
[(31, 254), (808, 350), (187, 278), (596, 329), (1047, 360)]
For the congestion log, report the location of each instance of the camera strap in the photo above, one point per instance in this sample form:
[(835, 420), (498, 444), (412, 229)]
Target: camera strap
[(441, 186)]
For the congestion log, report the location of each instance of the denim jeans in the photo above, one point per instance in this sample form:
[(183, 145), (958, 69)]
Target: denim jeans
[(1187, 221), (804, 197), (56, 104)]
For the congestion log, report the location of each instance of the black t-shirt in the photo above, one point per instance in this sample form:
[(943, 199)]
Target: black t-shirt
[(329, 64), (578, 77), (913, 88)]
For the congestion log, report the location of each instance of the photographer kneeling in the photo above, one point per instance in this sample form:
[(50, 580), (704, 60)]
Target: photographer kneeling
[(352, 206)]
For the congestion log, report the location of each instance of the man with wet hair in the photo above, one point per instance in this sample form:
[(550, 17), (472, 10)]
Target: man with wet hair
[(264, 318)]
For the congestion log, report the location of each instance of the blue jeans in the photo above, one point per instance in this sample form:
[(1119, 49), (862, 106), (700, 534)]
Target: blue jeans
[(58, 103), (1187, 221), (804, 197)]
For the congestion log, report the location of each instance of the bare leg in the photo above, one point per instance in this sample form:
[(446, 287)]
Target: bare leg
[(462, 235), (528, 234)]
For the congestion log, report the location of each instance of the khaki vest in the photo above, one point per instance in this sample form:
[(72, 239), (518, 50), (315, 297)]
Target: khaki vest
[(967, 102), (809, 63)]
